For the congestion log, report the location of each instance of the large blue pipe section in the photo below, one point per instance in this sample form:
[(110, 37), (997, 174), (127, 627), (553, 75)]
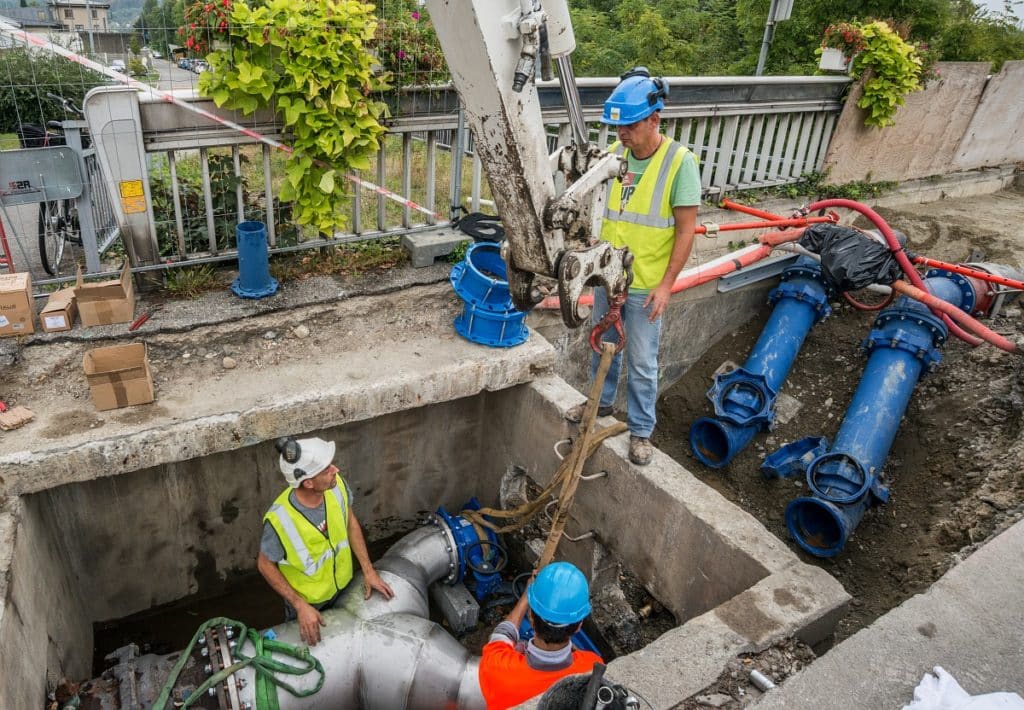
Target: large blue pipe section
[(902, 345), (744, 399)]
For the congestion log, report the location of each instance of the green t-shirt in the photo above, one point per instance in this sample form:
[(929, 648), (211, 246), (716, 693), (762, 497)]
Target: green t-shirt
[(685, 187)]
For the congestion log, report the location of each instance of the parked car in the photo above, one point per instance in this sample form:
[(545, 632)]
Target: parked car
[(200, 65), (185, 63), (118, 66), (156, 55)]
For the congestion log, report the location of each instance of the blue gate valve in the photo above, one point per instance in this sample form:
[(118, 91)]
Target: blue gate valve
[(480, 560)]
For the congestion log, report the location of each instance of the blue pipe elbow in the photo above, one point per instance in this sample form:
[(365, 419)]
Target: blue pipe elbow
[(820, 527), (716, 442)]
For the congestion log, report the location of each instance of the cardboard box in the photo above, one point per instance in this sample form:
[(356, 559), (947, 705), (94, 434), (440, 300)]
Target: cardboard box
[(118, 376), (106, 302), (17, 312), (59, 312)]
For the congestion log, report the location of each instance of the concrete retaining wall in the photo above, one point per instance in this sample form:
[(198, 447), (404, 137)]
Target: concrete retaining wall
[(192, 528), (995, 135), (44, 633), (694, 321), (924, 140)]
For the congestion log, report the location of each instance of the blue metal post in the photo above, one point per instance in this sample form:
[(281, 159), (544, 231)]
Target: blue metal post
[(744, 399), (903, 345)]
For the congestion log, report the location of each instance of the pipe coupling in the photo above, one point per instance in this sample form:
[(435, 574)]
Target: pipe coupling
[(743, 398)]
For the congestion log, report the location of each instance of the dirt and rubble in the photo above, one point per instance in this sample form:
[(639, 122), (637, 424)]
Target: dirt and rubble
[(955, 470)]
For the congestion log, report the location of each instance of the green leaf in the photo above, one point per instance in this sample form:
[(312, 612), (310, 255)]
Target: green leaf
[(327, 182)]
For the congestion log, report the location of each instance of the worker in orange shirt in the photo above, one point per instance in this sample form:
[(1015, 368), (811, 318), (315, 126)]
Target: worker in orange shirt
[(511, 672)]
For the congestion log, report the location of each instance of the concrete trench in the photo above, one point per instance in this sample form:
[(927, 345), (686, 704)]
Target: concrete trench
[(149, 509)]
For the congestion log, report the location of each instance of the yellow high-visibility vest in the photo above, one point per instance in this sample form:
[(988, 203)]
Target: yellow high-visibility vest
[(316, 565), (646, 225)]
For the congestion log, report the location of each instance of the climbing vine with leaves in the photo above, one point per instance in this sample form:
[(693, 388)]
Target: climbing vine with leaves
[(891, 66), (309, 62)]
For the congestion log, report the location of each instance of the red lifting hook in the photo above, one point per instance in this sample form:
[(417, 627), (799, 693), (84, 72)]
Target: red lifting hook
[(613, 318)]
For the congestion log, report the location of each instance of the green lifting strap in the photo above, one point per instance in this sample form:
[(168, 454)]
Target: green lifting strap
[(266, 667)]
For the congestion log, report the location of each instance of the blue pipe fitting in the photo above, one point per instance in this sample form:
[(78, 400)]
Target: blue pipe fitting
[(969, 298), (744, 399), (488, 316), (476, 564), (793, 458), (254, 279), (902, 347)]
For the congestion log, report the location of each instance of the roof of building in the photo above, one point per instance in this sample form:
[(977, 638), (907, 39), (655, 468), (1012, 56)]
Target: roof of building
[(79, 3), (28, 16)]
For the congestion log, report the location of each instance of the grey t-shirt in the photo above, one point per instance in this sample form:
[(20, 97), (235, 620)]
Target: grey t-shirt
[(270, 543)]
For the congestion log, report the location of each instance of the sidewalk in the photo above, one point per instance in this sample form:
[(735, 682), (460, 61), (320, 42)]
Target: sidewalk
[(971, 622)]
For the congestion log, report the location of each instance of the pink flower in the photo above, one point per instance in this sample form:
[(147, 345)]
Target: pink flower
[(401, 54), (415, 15)]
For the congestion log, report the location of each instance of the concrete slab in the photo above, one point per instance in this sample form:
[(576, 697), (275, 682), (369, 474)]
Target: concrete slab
[(424, 247), (969, 623), (406, 355), (800, 600)]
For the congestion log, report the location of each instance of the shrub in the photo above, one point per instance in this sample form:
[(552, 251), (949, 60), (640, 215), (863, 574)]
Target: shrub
[(311, 60)]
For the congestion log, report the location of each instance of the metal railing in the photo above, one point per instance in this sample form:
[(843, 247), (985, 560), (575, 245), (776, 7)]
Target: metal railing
[(200, 179)]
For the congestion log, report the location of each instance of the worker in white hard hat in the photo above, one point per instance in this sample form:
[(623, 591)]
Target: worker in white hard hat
[(309, 535)]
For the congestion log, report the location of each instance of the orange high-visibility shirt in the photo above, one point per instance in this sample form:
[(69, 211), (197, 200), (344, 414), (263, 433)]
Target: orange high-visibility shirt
[(506, 679)]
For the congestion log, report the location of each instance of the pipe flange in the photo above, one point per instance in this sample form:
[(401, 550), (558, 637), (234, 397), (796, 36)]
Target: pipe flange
[(902, 319), (817, 298), (921, 346), (811, 270), (828, 485), (743, 398), (454, 569), (970, 298)]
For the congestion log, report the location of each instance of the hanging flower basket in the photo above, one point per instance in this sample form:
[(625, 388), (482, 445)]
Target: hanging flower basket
[(833, 59)]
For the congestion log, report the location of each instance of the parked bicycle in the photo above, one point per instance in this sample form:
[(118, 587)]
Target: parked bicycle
[(58, 219)]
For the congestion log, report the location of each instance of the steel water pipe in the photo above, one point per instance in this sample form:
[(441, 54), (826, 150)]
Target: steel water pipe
[(744, 399), (903, 345), (377, 653)]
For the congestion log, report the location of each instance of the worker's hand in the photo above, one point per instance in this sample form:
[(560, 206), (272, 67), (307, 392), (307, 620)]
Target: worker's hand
[(372, 580), (658, 300), (310, 622)]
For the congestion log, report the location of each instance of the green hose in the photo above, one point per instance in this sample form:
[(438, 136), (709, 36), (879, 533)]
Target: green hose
[(264, 664)]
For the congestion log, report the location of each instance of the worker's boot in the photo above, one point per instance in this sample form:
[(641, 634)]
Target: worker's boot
[(640, 450), (575, 414)]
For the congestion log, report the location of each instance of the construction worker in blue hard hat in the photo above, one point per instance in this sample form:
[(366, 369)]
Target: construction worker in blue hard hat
[(511, 672), (309, 535), (653, 211)]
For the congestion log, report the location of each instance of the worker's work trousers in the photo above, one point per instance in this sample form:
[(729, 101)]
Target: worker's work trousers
[(643, 339)]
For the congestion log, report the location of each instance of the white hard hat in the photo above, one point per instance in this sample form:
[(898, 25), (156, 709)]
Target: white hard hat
[(303, 458)]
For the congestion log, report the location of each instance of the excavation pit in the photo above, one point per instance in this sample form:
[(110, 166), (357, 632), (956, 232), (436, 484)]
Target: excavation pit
[(151, 508)]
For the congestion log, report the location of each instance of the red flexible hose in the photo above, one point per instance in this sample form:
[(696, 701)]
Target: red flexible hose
[(902, 259), (967, 271), (701, 277), (752, 211), (779, 222), (857, 305), (956, 314)]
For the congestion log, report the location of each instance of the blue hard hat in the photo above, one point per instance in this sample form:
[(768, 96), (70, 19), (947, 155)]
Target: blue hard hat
[(560, 594), (636, 97)]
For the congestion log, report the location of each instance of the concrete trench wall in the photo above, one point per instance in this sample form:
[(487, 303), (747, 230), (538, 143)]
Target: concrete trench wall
[(44, 631)]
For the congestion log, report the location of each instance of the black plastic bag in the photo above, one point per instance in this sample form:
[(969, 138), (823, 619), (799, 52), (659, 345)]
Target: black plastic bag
[(851, 260)]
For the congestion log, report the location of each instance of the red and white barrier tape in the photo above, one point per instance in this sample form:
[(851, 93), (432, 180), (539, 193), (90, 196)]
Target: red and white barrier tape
[(30, 39)]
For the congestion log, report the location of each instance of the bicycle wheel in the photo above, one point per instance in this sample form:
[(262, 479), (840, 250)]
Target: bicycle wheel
[(55, 228)]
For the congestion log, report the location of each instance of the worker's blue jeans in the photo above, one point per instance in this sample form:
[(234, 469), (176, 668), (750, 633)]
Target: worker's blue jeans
[(643, 339)]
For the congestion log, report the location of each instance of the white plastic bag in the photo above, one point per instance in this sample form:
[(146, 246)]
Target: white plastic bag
[(938, 690)]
